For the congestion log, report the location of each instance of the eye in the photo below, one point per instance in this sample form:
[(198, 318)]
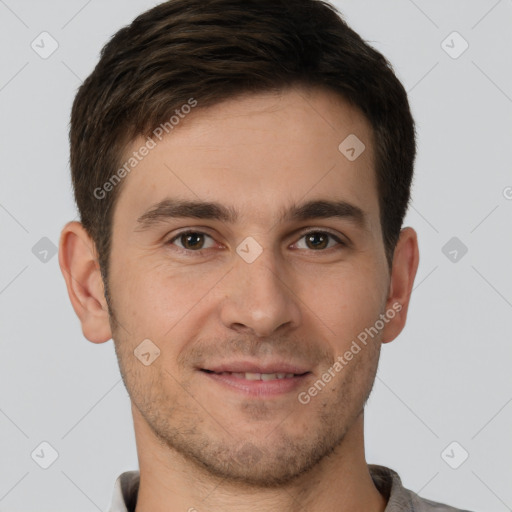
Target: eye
[(191, 240), (319, 240), (194, 241)]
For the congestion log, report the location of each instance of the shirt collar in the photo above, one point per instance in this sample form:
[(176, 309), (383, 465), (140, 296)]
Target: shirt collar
[(125, 493), (386, 480)]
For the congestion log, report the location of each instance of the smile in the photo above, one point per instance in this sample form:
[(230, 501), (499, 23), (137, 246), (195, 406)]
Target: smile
[(256, 384), (258, 376)]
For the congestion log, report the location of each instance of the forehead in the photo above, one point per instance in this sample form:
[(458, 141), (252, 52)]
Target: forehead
[(256, 154)]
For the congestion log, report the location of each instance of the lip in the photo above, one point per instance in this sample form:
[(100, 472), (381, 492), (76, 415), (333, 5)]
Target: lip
[(254, 367), (257, 388)]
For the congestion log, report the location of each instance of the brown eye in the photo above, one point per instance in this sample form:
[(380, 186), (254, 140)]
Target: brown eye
[(319, 240), (190, 240)]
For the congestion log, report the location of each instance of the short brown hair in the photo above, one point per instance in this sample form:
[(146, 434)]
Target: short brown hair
[(212, 50)]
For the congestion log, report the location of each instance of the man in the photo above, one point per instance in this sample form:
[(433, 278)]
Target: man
[(242, 170)]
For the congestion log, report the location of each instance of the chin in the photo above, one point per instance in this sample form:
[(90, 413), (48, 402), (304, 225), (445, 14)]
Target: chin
[(260, 464)]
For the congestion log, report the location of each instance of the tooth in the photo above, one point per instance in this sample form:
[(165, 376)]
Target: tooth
[(252, 376), (268, 376), (281, 375), (289, 375), (238, 375)]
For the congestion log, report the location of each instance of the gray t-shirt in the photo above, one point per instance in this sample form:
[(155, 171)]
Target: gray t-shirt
[(386, 480)]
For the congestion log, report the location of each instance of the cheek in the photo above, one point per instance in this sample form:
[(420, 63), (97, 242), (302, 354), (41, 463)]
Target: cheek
[(158, 300), (347, 301)]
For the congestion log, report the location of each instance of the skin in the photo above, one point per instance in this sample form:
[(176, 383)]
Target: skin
[(201, 444)]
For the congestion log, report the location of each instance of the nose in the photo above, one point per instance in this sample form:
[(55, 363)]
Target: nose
[(259, 299)]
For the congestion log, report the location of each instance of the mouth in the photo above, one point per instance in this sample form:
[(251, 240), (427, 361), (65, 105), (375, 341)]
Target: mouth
[(258, 375), (258, 381)]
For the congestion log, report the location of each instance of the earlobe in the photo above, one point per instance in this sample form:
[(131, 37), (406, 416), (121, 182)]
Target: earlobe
[(80, 268), (405, 265)]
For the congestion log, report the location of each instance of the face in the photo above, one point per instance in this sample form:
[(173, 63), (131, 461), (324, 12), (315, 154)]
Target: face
[(252, 301)]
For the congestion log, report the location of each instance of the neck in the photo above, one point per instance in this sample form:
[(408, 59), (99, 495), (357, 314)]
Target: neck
[(169, 482)]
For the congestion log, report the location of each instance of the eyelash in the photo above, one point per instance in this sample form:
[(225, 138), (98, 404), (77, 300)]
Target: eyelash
[(199, 252)]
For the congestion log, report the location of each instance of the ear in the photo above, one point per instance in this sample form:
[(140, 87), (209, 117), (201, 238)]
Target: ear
[(405, 264), (80, 268)]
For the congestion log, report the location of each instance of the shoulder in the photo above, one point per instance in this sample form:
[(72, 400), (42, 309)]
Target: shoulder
[(424, 505), (399, 498)]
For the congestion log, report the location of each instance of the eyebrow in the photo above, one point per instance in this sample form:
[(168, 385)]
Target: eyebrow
[(320, 209)]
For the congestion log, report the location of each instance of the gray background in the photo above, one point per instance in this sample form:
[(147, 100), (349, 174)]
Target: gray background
[(446, 378)]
